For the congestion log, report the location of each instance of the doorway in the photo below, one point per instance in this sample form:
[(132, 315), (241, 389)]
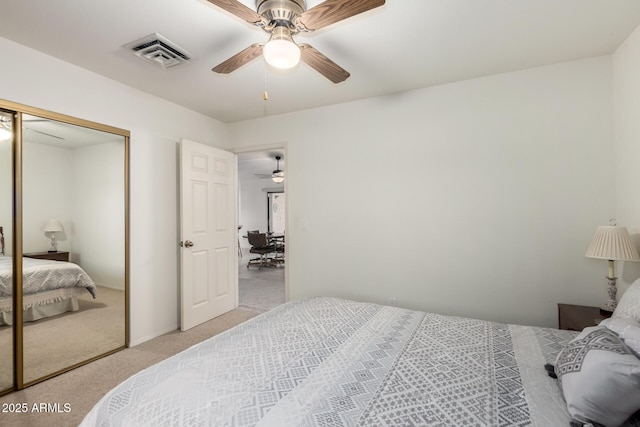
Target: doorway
[(261, 201)]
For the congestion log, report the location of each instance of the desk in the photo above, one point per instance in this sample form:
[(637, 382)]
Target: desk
[(277, 239), (279, 236)]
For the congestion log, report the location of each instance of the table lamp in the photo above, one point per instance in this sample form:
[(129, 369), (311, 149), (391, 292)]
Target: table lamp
[(612, 243), (53, 226)]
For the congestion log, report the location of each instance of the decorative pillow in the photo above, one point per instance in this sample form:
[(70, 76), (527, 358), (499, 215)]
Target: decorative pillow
[(628, 330), (599, 377), (629, 305)]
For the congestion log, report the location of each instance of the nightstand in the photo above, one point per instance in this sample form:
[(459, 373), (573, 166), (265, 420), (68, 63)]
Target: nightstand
[(54, 256), (578, 317)]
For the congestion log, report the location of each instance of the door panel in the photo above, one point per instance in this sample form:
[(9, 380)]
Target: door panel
[(222, 272), (221, 216), (201, 273), (201, 214)]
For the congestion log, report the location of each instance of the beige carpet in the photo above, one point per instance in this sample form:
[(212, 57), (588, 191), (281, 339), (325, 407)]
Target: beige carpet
[(56, 343), (83, 387)]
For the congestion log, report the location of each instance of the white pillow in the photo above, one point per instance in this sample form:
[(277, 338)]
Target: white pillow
[(599, 377), (629, 305), (628, 330)]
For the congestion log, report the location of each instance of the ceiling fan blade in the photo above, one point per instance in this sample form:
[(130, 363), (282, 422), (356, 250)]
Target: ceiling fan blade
[(332, 11), (238, 9), (43, 133), (312, 57), (239, 59)]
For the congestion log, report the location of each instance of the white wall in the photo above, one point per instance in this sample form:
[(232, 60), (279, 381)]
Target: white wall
[(476, 198), (46, 182), (97, 210), (6, 193), (156, 126), (84, 189), (626, 91), (253, 206)]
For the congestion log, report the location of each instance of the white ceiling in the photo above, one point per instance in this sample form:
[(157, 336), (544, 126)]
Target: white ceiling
[(261, 163), (63, 135), (405, 44), (58, 134)]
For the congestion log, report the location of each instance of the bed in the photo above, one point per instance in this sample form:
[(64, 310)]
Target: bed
[(49, 287), (334, 362)]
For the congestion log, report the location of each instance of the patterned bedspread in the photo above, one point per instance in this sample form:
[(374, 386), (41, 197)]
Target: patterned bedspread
[(41, 275), (331, 362)]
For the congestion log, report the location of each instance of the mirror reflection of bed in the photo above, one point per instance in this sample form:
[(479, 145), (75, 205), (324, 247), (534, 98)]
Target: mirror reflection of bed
[(50, 329), (51, 286), (75, 175)]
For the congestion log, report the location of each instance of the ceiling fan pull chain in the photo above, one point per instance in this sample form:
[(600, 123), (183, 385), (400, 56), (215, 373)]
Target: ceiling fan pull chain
[(265, 95)]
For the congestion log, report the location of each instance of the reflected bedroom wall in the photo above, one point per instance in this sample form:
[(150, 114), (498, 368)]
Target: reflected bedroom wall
[(98, 206), (82, 188), (6, 193), (46, 189)]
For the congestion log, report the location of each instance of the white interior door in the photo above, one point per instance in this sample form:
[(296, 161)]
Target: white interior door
[(209, 233)]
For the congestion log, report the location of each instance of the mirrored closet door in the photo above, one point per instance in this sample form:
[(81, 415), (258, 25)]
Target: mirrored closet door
[(73, 231), (6, 265)]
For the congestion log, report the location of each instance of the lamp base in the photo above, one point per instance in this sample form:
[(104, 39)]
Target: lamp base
[(54, 244), (611, 305)]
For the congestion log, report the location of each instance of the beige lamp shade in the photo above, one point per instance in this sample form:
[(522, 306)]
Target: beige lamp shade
[(53, 225), (612, 243)]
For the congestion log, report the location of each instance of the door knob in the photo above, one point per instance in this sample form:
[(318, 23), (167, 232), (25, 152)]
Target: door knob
[(188, 244)]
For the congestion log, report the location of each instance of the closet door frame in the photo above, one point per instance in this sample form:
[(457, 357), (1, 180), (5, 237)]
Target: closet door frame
[(17, 238)]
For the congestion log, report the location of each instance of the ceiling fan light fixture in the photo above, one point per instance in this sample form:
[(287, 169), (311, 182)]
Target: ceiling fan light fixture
[(5, 133), (281, 51), (277, 176)]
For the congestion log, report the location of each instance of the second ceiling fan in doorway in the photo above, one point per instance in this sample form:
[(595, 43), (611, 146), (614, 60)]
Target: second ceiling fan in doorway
[(277, 175)]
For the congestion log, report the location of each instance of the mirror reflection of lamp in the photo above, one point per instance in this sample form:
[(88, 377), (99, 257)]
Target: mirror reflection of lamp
[(53, 226)]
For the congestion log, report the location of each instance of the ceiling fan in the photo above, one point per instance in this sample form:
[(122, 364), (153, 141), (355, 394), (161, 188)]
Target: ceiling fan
[(282, 19), (6, 125), (277, 175), (5, 128)]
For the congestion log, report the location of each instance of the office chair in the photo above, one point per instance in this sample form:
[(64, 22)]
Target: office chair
[(260, 246)]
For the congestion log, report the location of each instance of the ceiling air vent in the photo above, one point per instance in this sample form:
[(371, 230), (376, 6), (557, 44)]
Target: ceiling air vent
[(159, 51)]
